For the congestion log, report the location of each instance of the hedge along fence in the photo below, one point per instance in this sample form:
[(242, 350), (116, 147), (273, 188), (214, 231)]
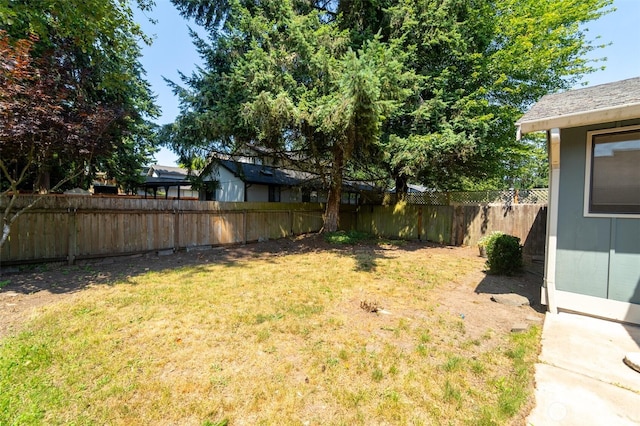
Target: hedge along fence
[(70, 228)]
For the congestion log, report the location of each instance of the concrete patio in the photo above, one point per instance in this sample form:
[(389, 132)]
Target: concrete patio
[(581, 378)]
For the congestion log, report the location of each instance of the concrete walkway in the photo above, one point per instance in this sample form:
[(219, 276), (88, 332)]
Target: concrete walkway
[(580, 376)]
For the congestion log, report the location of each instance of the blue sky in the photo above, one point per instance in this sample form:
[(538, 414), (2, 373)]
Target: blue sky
[(173, 51)]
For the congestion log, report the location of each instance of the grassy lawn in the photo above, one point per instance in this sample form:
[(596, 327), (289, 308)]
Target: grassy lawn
[(270, 339)]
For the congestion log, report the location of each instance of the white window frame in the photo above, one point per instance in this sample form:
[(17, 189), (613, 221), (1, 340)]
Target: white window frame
[(587, 173)]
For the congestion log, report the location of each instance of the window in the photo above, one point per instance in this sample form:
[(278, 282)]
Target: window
[(613, 172), (349, 198), (274, 194), (210, 194)]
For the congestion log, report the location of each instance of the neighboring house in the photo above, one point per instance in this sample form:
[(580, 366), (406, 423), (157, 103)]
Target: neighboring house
[(235, 181), (240, 181), (167, 182), (255, 154), (592, 261)]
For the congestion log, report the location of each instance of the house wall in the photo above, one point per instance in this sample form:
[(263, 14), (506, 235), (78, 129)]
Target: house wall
[(231, 187), (291, 195), (260, 194), (257, 193), (185, 192), (596, 256)]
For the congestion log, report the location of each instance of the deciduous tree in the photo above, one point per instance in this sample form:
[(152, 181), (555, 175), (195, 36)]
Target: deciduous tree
[(72, 96)]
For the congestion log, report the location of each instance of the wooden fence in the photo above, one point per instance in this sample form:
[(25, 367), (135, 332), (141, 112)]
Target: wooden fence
[(70, 228), (457, 225)]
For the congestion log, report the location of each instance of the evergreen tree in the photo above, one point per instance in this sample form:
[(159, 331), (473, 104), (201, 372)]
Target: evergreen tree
[(423, 90)]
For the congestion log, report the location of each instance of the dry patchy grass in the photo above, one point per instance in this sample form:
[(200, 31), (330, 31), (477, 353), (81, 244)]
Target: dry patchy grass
[(278, 339)]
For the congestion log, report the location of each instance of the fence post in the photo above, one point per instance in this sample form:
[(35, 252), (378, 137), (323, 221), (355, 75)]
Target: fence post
[(420, 223), (176, 229), (72, 248), (244, 227)]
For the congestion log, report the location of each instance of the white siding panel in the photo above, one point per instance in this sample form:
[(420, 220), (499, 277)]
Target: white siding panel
[(258, 193), (231, 187)]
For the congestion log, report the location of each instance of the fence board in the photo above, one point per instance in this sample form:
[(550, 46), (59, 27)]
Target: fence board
[(83, 227), (306, 221), (437, 223), (399, 221), (527, 222)]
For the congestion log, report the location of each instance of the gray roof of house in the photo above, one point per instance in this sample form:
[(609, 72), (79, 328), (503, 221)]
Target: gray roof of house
[(167, 176), (168, 171), (590, 105), (267, 175), (151, 181)]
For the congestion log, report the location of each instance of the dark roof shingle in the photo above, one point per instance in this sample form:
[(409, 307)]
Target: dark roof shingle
[(581, 104), (267, 175)]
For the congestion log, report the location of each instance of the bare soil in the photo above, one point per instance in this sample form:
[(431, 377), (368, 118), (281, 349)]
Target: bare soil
[(32, 287)]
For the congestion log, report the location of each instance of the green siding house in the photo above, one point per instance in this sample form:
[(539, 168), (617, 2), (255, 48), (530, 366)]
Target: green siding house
[(592, 263)]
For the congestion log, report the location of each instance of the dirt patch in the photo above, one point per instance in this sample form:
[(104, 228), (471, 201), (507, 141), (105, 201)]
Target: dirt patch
[(469, 297)]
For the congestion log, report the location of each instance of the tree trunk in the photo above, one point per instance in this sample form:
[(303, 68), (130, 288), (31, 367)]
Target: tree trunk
[(401, 188), (332, 211), (43, 182)]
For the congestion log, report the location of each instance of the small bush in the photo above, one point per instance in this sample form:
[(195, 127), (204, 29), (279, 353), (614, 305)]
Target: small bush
[(488, 240), (504, 256)]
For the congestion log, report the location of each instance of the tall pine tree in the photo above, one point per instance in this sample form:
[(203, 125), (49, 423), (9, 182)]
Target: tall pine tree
[(421, 90)]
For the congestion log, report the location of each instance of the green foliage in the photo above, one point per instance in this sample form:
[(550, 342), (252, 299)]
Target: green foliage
[(91, 107), (346, 237), (223, 422), (488, 240), (393, 91), (504, 254), (484, 63), (73, 100), (283, 76)]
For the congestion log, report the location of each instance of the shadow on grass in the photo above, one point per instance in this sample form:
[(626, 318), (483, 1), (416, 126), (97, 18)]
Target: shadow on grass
[(61, 278), (367, 251), (58, 278), (526, 283)]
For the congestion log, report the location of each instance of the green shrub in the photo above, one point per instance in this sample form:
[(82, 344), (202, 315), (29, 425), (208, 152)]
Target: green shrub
[(504, 255), (488, 240)]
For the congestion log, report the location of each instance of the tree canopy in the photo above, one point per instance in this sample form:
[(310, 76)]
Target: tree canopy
[(73, 99), (86, 54), (398, 90)]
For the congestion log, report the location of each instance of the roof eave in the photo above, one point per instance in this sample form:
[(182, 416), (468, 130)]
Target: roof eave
[(586, 118)]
